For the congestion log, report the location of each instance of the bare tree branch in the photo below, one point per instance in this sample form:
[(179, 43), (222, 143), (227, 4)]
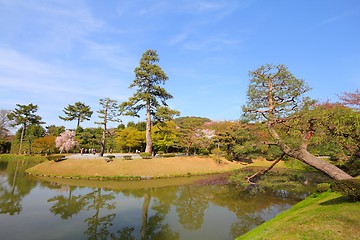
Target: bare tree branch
[(262, 172)]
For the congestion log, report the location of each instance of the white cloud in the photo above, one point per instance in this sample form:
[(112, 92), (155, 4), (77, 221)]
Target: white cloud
[(59, 24), (23, 73)]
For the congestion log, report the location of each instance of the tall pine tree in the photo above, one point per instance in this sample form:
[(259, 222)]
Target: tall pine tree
[(149, 94), (24, 115)]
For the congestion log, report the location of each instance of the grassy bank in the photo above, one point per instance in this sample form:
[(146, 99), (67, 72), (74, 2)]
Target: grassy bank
[(132, 169), (320, 216)]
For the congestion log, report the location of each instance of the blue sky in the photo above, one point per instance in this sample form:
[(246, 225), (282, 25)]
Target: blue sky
[(57, 52)]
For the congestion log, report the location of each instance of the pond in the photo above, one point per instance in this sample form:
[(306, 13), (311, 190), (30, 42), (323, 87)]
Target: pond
[(178, 208)]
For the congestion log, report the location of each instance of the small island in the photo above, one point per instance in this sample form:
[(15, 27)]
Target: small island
[(76, 167)]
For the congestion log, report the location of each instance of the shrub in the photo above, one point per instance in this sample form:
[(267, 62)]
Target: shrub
[(109, 158), (323, 187), (145, 155), (56, 158), (167, 155), (204, 151), (348, 187), (127, 157)]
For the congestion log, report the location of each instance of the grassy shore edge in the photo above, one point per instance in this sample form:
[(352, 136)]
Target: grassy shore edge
[(319, 216)]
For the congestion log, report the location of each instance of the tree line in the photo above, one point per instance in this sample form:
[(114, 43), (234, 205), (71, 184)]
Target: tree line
[(279, 122)]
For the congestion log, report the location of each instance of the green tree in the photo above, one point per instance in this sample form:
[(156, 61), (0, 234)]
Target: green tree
[(190, 131), (108, 113), (55, 131), (130, 138), (32, 133), (149, 94), (165, 136), (337, 131), (165, 114), (88, 138), (24, 115), (45, 145), (239, 140), (276, 96), (79, 111), (141, 126)]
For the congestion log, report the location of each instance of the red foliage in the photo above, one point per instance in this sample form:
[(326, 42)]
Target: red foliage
[(351, 99)]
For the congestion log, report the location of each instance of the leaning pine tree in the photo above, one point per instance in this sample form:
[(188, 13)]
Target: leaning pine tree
[(149, 94), (276, 98)]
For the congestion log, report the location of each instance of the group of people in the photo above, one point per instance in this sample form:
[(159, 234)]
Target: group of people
[(90, 150)]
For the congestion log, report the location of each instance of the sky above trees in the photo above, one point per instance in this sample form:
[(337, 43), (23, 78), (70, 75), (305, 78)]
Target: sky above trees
[(55, 53)]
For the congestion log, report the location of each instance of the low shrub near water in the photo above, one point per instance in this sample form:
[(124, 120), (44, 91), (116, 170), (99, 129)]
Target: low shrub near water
[(323, 187), (348, 187), (276, 179), (56, 158)]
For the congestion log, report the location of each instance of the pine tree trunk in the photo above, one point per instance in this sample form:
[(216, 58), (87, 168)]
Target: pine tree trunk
[(303, 155), (148, 148), (22, 138), (320, 164)]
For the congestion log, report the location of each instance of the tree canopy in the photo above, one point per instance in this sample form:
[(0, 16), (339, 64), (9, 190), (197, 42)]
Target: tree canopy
[(276, 96), (79, 111), (351, 99), (24, 115)]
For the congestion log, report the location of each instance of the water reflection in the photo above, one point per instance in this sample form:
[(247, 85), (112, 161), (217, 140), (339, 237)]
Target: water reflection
[(173, 211), (13, 186), (67, 206), (191, 204), (98, 224)]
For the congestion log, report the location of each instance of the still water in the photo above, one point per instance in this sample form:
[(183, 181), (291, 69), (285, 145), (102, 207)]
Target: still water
[(33, 208)]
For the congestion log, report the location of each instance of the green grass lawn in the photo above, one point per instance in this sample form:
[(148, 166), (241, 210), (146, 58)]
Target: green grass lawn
[(320, 216)]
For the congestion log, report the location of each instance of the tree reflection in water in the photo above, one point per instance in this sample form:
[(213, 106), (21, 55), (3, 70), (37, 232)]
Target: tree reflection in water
[(97, 224), (190, 206), (68, 206), (14, 187)]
